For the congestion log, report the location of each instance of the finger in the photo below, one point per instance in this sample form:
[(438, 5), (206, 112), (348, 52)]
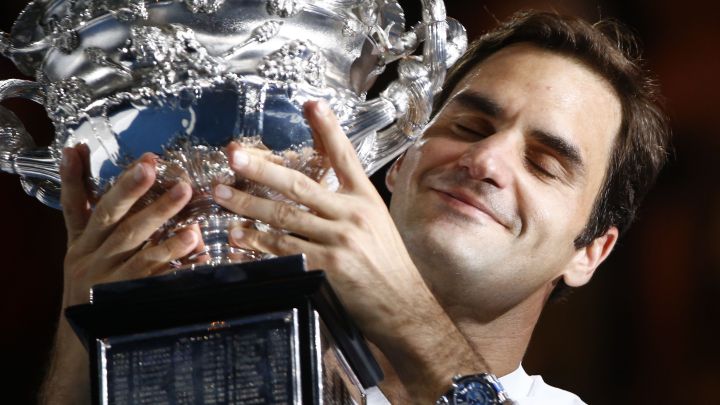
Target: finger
[(261, 153), (155, 259), (330, 137), (276, 213), (132, 232), (200, 247), (116, 203), (279, 244), (290, 183), (73, 195)]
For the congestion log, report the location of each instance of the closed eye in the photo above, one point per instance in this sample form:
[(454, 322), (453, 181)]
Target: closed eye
[(557, 155), (472, 131), (540, 169), (544, 166), (462, 130)]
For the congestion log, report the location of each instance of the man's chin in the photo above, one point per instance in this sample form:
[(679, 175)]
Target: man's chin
[(438, 248)]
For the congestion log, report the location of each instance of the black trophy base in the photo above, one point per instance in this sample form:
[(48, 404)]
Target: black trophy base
[(254, 333)]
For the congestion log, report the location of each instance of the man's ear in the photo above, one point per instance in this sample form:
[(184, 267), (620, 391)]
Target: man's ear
[(582, 267), (392, 173)]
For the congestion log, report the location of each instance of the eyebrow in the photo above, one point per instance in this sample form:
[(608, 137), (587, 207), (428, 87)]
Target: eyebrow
[(562, 147), (477, 101)]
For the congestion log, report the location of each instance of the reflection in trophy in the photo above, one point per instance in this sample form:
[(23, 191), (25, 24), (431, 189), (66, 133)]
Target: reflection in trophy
[(182, 79)]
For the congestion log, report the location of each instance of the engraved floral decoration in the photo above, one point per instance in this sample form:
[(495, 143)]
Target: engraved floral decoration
[(82, 11), (163, 56), (135, 10), (66, 98), (284, 8), (298, 61), (63, 37), (204, 6)]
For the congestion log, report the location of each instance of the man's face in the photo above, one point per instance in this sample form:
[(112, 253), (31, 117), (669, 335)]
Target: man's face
[(490, 201)]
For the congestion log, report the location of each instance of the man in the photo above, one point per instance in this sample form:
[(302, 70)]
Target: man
[(546, 137)]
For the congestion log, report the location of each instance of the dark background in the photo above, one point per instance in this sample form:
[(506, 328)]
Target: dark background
[(644, 331)]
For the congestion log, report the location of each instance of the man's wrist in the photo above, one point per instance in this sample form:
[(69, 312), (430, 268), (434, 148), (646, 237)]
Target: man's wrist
[(475, 389), (427, 355), (68, 378)]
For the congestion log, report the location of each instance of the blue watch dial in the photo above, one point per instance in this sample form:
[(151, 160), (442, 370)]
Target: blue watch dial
[(475, 392)]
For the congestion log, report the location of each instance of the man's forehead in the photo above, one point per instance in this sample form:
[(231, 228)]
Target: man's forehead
[(524, 60), (556, 79)]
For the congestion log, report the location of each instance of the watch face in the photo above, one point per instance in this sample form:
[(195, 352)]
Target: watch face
[(475, 392)]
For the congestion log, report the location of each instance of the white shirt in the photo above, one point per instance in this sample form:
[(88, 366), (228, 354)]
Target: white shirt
[(525, 389), (522, 388)]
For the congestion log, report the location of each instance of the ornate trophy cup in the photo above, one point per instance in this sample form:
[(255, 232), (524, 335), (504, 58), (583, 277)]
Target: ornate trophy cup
[(182, 79)]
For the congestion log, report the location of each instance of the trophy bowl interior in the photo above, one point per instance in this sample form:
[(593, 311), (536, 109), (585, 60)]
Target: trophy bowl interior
[(188, 131)]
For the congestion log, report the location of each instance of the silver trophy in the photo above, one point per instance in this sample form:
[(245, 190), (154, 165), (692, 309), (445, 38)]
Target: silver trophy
[(182, 79)]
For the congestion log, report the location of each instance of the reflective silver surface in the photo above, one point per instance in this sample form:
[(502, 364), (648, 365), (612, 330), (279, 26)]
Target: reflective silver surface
[(183, 78)]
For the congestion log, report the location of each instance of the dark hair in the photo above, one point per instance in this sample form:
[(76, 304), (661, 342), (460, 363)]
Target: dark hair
[(611, 50)]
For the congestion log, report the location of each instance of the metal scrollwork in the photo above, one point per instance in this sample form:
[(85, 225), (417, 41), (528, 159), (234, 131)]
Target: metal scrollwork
[(101, 58), (262, 33)]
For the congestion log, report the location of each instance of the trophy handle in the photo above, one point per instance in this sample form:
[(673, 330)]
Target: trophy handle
[(37, 167), (407, 102), (27, 53)]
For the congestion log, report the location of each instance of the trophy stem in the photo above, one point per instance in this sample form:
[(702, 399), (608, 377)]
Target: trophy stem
[(215, 223)]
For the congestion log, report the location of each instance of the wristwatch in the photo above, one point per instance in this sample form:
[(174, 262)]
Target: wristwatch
[(475, 389)]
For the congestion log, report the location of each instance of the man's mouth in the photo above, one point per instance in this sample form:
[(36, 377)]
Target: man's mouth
[(469, 204)]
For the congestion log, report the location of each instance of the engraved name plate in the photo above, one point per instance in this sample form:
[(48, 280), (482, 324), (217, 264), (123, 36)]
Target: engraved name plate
[(252, 360)]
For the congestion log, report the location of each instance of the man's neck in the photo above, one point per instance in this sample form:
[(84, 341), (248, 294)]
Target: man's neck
[(503, 340)]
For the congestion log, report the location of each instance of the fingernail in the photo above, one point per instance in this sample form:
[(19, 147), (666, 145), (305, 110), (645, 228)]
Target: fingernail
[(177, 191), (138, 172), (187, 237), (237, 233), (322, 108), (223, 192), (240, 159)]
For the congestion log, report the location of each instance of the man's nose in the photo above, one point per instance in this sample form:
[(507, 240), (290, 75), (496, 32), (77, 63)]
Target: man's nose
[(491, 159)]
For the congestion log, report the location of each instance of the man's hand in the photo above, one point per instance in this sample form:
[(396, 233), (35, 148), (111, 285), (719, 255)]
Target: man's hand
[(349, 230), (350, 235), (105, 244)]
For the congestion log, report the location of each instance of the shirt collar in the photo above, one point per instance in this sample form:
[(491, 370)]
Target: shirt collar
[(517, 384)]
